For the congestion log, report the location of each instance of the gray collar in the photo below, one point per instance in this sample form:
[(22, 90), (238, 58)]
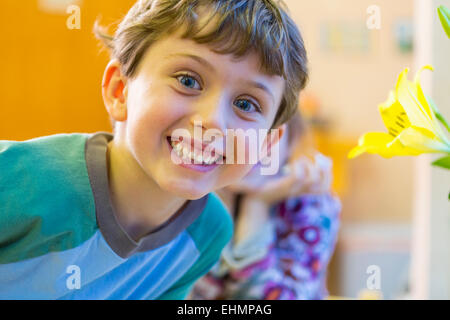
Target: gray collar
[(116, 237)]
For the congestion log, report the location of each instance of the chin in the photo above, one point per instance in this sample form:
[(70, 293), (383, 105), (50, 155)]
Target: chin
[(187, 190)]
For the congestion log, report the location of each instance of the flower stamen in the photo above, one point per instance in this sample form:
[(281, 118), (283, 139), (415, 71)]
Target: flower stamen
[(400, 125)]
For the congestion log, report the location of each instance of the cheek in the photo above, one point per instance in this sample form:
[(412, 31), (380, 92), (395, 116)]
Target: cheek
[(248, 143), (232, 174), (150, 115), (149, 108), (141, 137)]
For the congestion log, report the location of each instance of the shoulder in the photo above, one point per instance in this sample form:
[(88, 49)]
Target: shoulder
[(42, 150), (45, 195), (49, 162), (213, 229)]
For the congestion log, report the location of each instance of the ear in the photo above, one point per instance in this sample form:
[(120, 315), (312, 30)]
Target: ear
[(274, 136), (114, 91)]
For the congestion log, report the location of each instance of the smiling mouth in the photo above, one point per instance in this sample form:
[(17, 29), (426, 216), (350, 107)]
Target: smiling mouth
[(194, 156)]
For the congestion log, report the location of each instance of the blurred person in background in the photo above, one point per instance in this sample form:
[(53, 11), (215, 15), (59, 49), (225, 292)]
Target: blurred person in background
[(285, 228)]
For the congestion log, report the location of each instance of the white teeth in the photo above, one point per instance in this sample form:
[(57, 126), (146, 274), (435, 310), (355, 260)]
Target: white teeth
[(191, 156)]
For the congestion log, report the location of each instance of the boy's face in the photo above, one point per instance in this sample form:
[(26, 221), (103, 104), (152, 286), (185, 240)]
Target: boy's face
[(184, 85)]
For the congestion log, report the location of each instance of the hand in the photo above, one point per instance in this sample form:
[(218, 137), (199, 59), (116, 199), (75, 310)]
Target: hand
[(300, 176)]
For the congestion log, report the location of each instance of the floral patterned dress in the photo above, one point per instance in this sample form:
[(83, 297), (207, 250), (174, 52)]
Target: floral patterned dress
[(288, 259)]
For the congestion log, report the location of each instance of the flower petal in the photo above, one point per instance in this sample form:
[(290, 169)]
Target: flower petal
[(393, 115), (419, 92), (422, 139), (405, 94), (382, 144), (398, 149), (427, 102)]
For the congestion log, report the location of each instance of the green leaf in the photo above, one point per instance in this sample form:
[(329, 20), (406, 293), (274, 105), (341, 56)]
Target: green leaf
[(442, 162), (437, 113), (444, 16)]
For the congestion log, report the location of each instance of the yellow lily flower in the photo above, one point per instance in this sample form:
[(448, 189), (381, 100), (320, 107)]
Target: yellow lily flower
[(411, 122)]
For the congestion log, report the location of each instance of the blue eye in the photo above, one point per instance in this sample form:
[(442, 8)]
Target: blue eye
[(246, 105), (188, 81)]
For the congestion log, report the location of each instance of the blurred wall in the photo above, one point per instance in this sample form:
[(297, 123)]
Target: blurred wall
[(351, 80), (51, 76), (350, 85)]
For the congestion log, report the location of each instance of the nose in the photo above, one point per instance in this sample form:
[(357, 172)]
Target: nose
[(211, 114)]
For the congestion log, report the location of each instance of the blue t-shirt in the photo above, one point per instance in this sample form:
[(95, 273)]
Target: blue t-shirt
[(59, 237)]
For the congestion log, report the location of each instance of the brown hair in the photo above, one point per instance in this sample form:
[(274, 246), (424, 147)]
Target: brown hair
[(262, 26)]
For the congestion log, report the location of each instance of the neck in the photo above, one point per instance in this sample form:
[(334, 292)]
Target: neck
[(140, 205)]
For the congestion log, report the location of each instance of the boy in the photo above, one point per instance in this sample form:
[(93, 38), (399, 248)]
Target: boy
[(115, 216)]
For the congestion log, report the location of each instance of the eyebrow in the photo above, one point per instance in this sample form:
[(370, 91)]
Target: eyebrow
[(261, 86), (194, 57), (208, 65)]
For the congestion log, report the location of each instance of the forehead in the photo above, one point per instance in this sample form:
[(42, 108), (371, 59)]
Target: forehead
[(173, 48), (173, 45)]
